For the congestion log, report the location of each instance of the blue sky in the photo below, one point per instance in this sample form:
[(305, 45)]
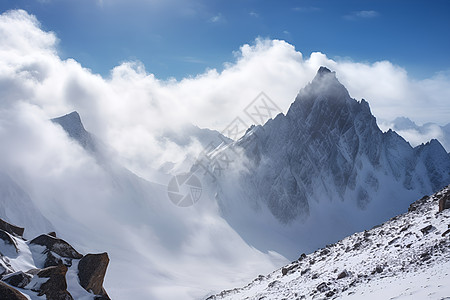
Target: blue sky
[(180, 38)]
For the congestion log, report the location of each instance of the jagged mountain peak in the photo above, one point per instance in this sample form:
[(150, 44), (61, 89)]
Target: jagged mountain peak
[(323, 91), (72, 124), (324, 70), (327, 151)]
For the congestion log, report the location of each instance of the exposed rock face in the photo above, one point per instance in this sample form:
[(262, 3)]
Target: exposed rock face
[(17, 279), (55, 288), (8, 239), (444, 202), (12, 229), (91, 272), (9, 293), (72, 124), (57, 246)]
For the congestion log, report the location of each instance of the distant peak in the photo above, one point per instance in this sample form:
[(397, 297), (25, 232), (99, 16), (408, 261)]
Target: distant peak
[(71, 123), (325, 74), (323, 70), (73, 117)]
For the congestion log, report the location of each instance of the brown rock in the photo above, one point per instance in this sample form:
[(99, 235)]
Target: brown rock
[(55, 288), (5, 236), (12, 229), (18, 279), (10, 293), (444, 202), (58, 246), (91, 272)]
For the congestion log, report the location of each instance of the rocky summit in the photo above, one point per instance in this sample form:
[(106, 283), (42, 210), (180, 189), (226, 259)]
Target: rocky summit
[(47, 266)]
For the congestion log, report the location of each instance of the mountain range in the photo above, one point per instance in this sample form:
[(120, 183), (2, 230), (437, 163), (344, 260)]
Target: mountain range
[(295, 184)]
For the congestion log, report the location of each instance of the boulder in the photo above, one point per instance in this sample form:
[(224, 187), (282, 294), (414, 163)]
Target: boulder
[(444, 202), (10, 293), (343, 274), (5, 236), (55, 288), (12, 229), (17, 279), (91, 272), (57, 246)]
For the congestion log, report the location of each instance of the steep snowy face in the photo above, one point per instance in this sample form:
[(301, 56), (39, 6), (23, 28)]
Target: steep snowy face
[(72, 124), (327, 149), (17, 207)]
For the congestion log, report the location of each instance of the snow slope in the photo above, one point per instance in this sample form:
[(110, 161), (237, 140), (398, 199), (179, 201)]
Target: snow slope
[(407, 257), (17, 207)]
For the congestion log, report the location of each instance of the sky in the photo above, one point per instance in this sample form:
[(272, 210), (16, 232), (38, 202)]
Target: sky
[(180, 38)]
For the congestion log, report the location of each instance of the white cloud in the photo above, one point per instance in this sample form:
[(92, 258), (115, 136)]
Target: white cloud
[(217, 18), (362, 14), (131, 109)]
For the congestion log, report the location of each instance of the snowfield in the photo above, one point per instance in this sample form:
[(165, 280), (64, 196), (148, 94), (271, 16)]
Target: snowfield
[(407, 257)]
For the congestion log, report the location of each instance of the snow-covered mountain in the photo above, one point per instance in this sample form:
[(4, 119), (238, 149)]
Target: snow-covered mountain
[(416, 134), (325, 164), (407, 257), (72, 124)]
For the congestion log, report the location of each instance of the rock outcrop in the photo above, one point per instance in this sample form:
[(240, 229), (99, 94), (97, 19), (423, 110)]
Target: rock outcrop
[(52, 259), (63, 250), (10, 293), (18, 279), (444, 202), (55, 288), (12, 229), (91, 272)]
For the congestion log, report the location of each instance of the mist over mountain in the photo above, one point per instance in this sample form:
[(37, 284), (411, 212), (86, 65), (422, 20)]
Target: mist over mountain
[(325, 164), (417, 135)]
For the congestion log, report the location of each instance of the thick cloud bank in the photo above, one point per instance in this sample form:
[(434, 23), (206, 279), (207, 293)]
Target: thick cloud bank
[(131, 109)]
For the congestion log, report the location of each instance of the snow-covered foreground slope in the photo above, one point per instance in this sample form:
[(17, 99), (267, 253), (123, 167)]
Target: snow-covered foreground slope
[(325, 164), (407, 257)]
